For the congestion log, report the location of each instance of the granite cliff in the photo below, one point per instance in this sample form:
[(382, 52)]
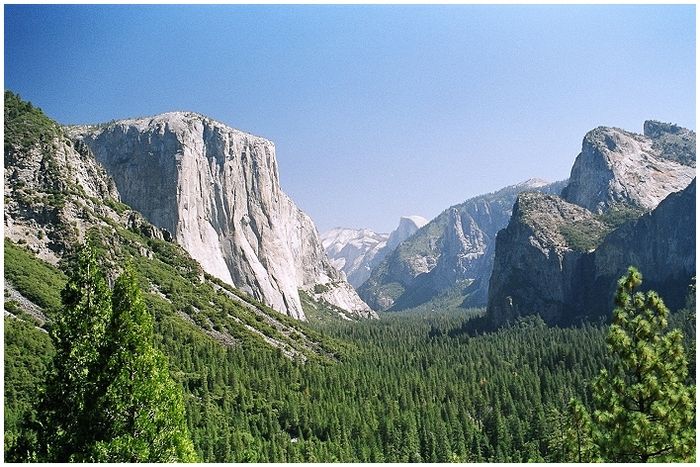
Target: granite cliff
[(58, 196), (620, 167), (535, 262), (629, 201), (54, 189), (451, 255), (217, 190)]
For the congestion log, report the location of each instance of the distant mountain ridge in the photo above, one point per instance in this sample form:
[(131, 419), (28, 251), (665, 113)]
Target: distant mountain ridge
[(452, 253), (356, 252)]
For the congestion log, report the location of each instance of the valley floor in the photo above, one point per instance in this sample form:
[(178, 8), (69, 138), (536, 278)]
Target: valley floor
[(409, 387)]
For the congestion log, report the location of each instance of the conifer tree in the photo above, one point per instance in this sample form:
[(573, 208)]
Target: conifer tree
[(142, 408), (109, 396), (78, 334), (570, 438), (644, 408)]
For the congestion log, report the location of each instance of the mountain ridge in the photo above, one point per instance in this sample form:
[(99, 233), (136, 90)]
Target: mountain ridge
[(621, 184), (417, 270), (355, 252), (57, 197)]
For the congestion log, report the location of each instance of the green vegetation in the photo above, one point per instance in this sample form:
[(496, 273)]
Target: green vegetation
[(318, 311), (145, 413), (28, 354), (585, 235), (645, 410), (618, 214), (257, 386), (38, 281), (26, 126), (78, 335), (407, 387), (571, 440), (108, 394)]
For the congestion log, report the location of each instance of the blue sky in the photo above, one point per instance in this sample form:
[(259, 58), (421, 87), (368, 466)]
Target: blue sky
[(376, 111)]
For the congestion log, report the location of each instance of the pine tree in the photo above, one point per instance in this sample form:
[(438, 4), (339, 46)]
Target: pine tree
[(78, 334), (644, 409), (109, 396), (570, 437), (142, 407)]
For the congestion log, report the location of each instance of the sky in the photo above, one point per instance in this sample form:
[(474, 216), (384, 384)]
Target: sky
[(376, 111)]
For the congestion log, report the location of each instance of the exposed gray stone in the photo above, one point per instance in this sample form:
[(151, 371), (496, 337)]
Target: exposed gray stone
[(356, 252), (453, 251), (534, 264), (539, 270), (217, 190), (616, 166)]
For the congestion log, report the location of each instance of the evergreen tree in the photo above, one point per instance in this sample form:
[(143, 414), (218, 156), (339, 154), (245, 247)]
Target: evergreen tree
[(109, 396), (570, 438), (78, 334), (142, 407), (644, 409)]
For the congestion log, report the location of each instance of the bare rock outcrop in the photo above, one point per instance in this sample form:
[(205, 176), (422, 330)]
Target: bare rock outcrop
[(661, 244), (535, 262), (630, 202), (619, 167), (217, 191), (452, 254), (54, 189)]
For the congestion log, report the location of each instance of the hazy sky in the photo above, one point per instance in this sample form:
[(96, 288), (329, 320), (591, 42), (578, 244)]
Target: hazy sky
[(376, 111)]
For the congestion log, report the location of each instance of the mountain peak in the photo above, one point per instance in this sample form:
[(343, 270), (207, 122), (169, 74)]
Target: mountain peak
[(533, 183), (216, 189), (356, 252), (655, 128), (418, 221), (617, 166), (179, 122)]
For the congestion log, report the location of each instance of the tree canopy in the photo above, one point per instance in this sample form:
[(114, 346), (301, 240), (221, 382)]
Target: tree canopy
[(109, 396)]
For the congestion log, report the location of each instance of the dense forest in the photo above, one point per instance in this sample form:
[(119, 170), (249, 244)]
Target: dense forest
[(409, 387)]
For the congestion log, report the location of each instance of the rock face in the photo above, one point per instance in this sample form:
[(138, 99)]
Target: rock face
[(452, 253), (51, 184), (57, 194), (561, 257), (356, 252), (408, 225), (535, 263), (619, 167), (661, 244), (216, 189), (352, 251), (537, 270)]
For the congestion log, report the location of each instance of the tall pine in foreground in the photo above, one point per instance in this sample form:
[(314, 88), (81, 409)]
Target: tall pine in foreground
[(69, 408), (109, 396), (644, 406), (142, 407)]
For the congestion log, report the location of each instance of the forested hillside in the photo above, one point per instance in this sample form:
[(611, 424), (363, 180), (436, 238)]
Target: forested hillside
[(406, 388)]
